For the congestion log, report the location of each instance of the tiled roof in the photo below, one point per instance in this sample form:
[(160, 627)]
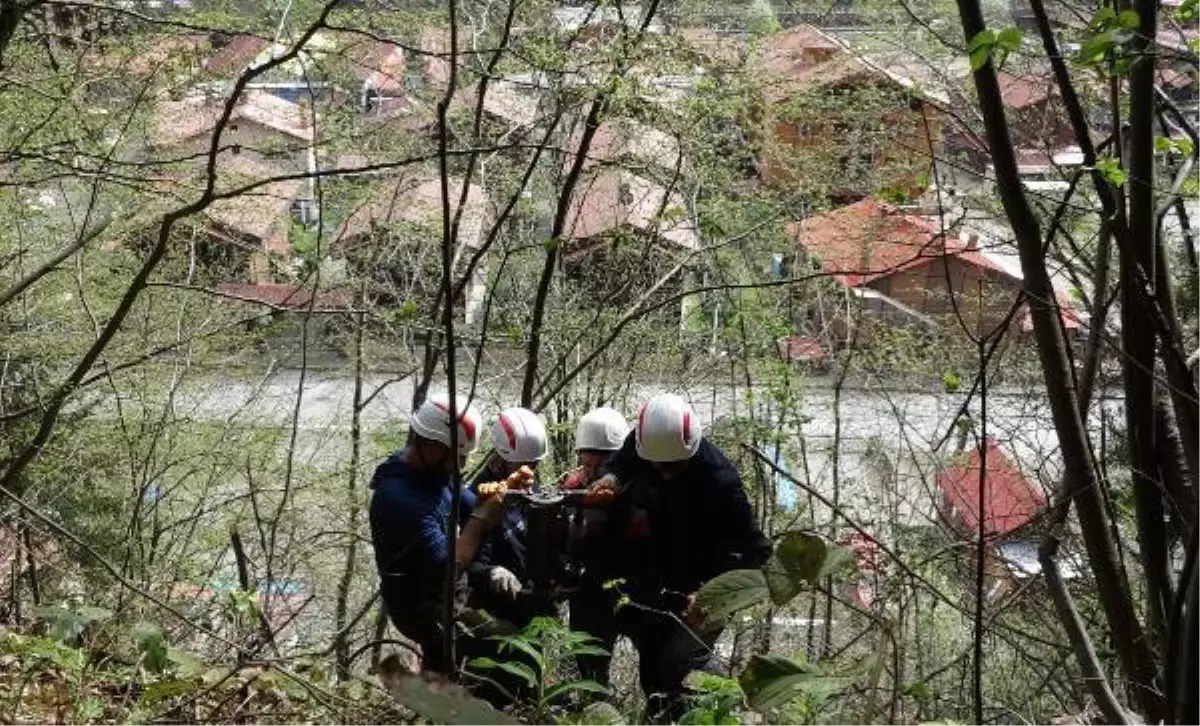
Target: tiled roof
[(785, 52), (613, 198), (177, 121), (624, 140), (263, 213), (378, 63), (418, 201), (237, 55), (869, 240), (794, 74), (1023, 91), (1010, 500)]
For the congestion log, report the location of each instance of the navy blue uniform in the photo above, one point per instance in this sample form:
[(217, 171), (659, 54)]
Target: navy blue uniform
[(700, 525), (505, 546), (409, 513)]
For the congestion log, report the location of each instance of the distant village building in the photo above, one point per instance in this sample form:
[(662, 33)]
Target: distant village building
[(394, 235), (873, 122), (905, 270), (1011, 505)]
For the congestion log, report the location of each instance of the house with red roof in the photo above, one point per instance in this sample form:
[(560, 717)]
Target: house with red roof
[(1011, 503), (906, 270)]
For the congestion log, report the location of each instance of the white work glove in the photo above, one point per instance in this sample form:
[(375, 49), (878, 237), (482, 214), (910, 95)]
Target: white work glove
[(503, 581)]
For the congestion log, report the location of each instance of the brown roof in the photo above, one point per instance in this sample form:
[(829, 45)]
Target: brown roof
[(625, 141), (869, 240), (613, 199), (237, 55), (418, 201), (786, 51), (503, 100), (263, 214), (284, 295), (1172, 78), (1009, 500), (795, 72), (435, 43), (1023, 91), (711, 44), (176, 121), (377, 63)]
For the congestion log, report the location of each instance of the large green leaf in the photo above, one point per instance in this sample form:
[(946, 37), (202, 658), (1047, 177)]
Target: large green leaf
[(517, 642), (152, 646), (730, 592), (801, 558), (770, 681), (438, 700)]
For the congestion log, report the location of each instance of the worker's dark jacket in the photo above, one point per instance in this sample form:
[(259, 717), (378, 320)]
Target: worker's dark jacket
[(409, 513), (701, 524), (504, 546)]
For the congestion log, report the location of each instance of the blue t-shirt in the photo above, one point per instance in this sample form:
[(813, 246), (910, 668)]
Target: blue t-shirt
[(409, 515)]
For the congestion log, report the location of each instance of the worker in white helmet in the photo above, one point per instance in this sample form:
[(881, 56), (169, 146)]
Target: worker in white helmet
[(410, 508), (497, 573), (700, 525), (603, 553)]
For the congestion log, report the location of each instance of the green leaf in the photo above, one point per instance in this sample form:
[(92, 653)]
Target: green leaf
[(520, 670), (1009, 39), (589, 650), (730, 592), (951, 381), (151, 645), (800, 558), (770, 681), (1103, 18), (516, 642), (1112, 171), (979, 58), (186, 664), (1094, 49), (162, 690), (982, 39), (482, 662), (575, 687), (919, 690), (440, 701), (1128, 19)]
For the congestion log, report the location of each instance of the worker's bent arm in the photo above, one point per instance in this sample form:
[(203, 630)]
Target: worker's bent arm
[(469, 542)]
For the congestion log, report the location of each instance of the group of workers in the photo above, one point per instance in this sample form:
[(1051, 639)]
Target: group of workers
[(664, 512)]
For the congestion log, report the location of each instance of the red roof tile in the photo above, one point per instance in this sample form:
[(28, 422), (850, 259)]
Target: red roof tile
[(1010, 501), (1023, 91), (869, 240), (237, 55)]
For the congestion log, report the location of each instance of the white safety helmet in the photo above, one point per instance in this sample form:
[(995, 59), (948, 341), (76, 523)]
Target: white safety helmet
[(601, 429), (667, 429), (519, 436), (432, 420)]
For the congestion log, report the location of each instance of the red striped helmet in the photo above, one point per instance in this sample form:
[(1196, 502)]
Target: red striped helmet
[(667, 429), (432, 420), (519, 436)]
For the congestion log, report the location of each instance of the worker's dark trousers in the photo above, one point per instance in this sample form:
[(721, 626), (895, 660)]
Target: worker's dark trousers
[(667, 652), (593, 611), (422, 625)]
